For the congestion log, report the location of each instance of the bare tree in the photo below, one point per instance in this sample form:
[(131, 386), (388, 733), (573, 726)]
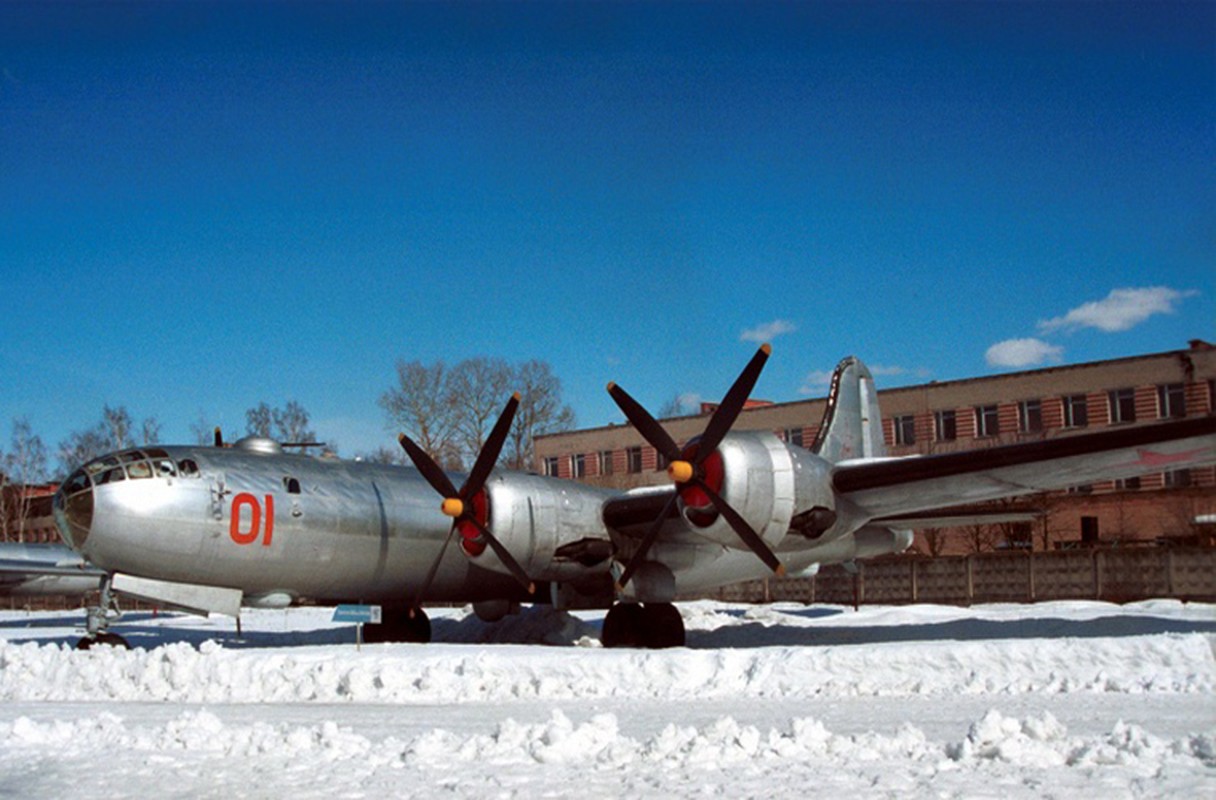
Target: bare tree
[(931, 541), (289, 424), (383, 455), (114, 432), (203, 431), (23, 465), (422, 405), (116, 422), (541, 411), (259, 421), (680, 405), (479, 388), (980, 538), (450, 412)]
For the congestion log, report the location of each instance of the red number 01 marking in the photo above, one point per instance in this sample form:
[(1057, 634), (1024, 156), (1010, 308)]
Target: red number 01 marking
[(255, 520)]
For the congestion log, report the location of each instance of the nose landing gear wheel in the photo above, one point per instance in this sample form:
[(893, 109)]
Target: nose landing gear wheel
[(110, 639)]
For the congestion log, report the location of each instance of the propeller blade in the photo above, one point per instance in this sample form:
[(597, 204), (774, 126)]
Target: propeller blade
[(219, 437), (651, 430), (639, 555), (430, 575), (749, 536), (504, 556), (429, 469), (724, 417), (488, 456)]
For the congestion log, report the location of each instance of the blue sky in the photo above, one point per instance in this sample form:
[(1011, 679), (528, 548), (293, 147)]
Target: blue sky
[(204, 206)]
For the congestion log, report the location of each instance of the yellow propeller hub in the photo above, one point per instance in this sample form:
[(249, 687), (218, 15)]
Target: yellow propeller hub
[(452, 506), (680, 471)]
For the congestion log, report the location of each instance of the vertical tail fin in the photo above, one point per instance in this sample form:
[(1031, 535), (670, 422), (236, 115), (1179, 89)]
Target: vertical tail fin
[(852, 425)]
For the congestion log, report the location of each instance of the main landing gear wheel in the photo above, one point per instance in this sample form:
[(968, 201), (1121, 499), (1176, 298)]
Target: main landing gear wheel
[(110, 639), (651, 625), (403, 626)]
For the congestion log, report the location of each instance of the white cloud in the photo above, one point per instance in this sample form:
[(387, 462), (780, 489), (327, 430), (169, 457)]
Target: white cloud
[(768, 331), (1022, 353), (817, 381), (1120, 310)]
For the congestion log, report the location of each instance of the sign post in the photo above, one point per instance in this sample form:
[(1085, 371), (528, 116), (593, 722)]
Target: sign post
[(360, 615)]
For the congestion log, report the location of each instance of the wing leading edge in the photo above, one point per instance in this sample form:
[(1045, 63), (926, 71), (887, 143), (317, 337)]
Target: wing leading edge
[(920, 483)]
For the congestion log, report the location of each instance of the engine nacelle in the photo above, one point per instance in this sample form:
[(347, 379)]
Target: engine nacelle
[(553, 529), (771, 485)]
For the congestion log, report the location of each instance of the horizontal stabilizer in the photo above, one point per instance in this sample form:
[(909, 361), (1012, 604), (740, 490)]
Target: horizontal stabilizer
[(186, 596)]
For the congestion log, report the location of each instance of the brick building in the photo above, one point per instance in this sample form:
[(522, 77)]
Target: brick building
[(947, 416), (25, 512)]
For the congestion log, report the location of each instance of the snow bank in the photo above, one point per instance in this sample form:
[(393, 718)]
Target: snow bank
[(432, 674), (596, 757)]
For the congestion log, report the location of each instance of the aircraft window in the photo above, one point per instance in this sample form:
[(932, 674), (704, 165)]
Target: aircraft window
[(156, 452), (96, 466), (139, 469), (130, 455), (112, 476), (78, 482), (187, 468), (165, 468), (291, 485)]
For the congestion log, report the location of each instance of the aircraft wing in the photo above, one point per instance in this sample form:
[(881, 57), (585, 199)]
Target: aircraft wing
[(32, 560), (906, 486), (44, 569)]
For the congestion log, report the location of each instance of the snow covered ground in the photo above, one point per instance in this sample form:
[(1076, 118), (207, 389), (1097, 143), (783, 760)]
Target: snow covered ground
[(1053, 700)]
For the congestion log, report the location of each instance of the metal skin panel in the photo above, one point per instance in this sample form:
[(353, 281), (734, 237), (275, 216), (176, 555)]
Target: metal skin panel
[(759, 483), (355, 531), (534, 516)]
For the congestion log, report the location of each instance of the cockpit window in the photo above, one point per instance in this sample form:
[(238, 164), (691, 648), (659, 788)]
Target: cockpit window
[(187, 468), (139, 469), (111, 476), (77, 482), (156, 452), (130, 455), (165, 468), (100, 464)]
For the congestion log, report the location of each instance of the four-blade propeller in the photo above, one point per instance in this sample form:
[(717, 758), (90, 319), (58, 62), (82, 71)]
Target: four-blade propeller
[(460, 504), (688, 468)]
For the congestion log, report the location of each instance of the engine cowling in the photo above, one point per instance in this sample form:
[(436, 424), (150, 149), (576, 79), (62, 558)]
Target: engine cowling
[(768, 483), (542, 523)]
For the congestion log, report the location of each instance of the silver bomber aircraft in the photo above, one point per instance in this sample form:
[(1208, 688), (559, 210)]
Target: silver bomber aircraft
[(212, 529)]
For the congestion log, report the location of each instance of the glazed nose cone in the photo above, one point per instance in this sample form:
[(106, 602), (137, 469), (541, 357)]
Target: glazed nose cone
[(73, 505)]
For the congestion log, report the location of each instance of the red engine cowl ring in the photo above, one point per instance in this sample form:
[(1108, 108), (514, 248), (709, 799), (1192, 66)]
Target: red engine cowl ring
[(471, 539), (698, 508)]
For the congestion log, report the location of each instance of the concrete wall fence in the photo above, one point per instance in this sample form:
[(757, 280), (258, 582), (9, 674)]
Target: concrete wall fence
[(1118, 575)]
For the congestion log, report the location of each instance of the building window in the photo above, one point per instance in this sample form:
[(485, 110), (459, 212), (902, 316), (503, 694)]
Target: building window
[(905, 430), (606, 462), (1122, 405), (633, 456), (1030, 416), (945, 425), (1171, 400), (660, 461), (987, 421), (794, 436), (551, 466), (1178, 478), (1129, 484), (578, 465), (1076, 411)]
